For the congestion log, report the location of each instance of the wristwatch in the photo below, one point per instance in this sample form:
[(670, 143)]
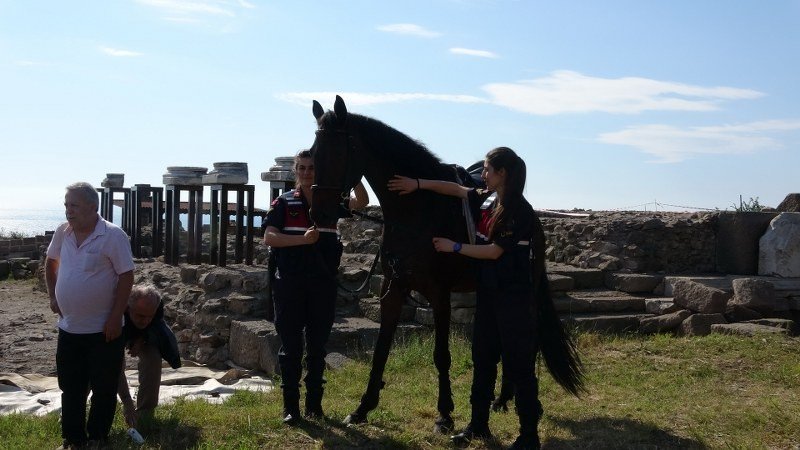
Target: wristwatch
[(456, 247)]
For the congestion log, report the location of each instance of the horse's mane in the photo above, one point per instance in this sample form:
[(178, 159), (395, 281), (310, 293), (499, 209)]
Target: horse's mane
[(407, 155)]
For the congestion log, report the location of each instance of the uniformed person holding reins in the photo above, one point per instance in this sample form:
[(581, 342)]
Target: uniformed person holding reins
[(304, 289), (505, 311)]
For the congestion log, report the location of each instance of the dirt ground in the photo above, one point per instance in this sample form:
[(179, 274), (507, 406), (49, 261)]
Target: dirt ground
[(28, 332)]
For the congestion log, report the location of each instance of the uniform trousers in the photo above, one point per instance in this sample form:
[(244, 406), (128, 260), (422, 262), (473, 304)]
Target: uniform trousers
[(504, 330), (85, 361), (304, 312)]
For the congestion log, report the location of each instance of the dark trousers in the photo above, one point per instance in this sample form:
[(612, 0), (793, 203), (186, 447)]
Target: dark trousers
[(304, 312), (84, 362), (504, 330)]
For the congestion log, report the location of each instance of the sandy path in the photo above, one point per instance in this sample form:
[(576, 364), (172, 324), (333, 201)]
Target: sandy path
[(28, 332)]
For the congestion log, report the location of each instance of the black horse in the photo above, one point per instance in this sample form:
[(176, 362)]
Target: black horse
[(349, 146)]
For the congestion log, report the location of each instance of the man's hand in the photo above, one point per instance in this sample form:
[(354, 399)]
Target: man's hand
[(113, 328), (54, 306), (136, 347)]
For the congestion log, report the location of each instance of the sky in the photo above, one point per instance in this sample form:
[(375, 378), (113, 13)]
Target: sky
[(619, 104)]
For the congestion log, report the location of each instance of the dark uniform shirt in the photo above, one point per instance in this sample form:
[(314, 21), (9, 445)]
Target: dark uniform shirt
[(289, 214), (512, 269)]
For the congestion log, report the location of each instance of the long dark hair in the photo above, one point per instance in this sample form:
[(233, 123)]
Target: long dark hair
[(504, 158), (558, 346)]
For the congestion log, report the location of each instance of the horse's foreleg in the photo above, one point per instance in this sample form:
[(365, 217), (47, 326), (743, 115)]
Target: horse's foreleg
[(391, 305), (442, 360)]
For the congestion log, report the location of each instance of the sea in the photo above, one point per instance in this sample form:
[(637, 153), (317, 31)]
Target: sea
[(29, 222), (34, 222)]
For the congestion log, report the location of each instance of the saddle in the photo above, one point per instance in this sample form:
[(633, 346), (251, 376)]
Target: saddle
[(469, 177)]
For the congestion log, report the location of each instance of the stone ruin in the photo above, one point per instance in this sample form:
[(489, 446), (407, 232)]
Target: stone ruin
[(609, 272), (684, 273)]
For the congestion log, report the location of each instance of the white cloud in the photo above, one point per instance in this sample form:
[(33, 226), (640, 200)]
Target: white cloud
[(472, 52), (117, 52), (409, 29), (571, 92), (670, 144), (182, 8), (362, 99)]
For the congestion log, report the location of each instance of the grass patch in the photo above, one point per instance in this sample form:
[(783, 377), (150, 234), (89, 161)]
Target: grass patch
[(644, 392)]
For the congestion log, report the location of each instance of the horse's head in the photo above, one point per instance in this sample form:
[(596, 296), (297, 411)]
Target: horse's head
[(337, 167)]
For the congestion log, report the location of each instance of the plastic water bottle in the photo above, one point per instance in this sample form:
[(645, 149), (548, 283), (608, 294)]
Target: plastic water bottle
[(135, 436)]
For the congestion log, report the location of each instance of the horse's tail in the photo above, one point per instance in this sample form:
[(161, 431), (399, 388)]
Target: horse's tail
[(557, 345)]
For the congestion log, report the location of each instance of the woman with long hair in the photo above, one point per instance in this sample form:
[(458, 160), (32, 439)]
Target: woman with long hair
[(511, 287)]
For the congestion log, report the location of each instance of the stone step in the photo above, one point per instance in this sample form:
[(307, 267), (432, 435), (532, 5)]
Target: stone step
[(605, 323), (632, 282), (784, 287), (746, 329), (598, 300), (254, 344), (584, 278)]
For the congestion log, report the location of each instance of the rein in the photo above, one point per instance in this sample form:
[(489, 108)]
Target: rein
[(366, 280)]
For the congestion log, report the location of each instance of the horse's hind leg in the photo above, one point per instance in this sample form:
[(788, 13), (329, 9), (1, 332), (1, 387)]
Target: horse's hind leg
[(442, 360), (391, 305)]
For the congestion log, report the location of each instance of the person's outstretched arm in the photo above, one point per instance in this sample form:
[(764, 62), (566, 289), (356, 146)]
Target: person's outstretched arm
[(405, 185), (359, 198)]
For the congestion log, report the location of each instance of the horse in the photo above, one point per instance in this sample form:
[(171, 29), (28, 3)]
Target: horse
[(348, 147)]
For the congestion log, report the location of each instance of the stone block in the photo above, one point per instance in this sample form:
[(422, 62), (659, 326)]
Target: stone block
[(5, 269), (242, 304), (370, 308), (787, 324), (664, 322), (755, 294), (746, 329), (584, 278), (560, 283), (779, 247), (424, 316), (462, 299), (254, 344), (462, 315), (632, 282), (699, 298), (739, 313), (700, 324), (660, 305), (606, 323)]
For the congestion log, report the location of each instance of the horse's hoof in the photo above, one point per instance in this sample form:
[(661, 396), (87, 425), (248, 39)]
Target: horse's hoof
[(354, 418), (443, 426)]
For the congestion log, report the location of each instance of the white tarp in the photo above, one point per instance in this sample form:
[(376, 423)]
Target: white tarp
[(39, 395)]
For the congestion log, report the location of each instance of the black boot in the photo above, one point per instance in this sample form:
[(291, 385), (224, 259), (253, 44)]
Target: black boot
[(314, 403), (471, 432), (528, 441), (291, 407)]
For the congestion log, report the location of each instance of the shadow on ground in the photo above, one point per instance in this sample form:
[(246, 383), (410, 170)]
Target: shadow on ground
[(612, 433)]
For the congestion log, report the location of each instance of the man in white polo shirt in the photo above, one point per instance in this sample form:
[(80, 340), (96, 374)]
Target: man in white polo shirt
[(89, 274)]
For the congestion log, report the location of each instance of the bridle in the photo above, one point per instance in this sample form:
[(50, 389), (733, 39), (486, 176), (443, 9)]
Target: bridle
[(343, 188)]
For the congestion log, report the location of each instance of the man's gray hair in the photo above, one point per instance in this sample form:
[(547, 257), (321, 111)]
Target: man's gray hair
[(146, 291), (88, 192)]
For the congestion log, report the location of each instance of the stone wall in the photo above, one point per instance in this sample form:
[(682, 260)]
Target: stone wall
[(634, 241), (20, 258)]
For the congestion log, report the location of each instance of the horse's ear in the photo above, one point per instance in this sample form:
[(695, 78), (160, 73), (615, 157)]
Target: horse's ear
[(339, 108), (317, 109)]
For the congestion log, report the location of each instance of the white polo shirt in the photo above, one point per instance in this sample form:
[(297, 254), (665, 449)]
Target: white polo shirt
[(87, 275)]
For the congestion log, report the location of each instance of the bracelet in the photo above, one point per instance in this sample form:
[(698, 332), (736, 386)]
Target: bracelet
[(457, 247), (418, 184)]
